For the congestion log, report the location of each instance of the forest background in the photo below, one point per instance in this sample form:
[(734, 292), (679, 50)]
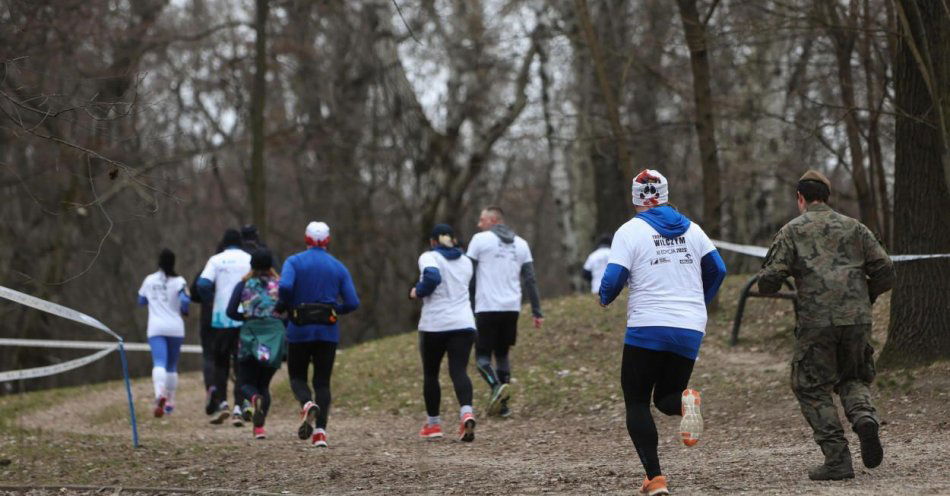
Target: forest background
[(129, 126)]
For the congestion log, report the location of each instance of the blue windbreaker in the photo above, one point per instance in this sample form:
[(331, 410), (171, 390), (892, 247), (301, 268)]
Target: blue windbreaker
[(315, 276)]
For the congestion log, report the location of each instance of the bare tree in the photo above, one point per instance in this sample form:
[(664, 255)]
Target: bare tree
[(920, 305), (705, 121)]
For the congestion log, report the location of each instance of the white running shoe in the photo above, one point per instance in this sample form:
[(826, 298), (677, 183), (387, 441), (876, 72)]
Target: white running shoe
[(691, 427), (237, 417)]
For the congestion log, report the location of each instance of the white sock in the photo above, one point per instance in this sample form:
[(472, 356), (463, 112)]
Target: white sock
[(158, 380), (319, 430), (434, 420), (171, 384), (465, 409)]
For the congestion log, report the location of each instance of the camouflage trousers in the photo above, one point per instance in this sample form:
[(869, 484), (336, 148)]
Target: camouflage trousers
[(836, 359)]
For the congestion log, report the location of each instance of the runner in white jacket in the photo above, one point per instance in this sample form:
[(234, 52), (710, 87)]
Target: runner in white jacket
[(446, 325)]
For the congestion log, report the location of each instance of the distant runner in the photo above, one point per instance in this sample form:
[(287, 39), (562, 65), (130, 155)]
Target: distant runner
[(317, 288), (206, 338), (503, 260), (446, 326), (596, 263), (673, 271), (222, 272), (166, 295), (840, 269)]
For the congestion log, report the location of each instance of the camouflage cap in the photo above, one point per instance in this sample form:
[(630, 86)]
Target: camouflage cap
[(813, 175)]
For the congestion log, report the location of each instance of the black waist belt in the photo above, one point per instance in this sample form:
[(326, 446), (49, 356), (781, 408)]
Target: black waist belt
[(313, 313)]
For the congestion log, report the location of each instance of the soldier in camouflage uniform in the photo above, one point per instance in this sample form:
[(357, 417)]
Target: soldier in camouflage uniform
[(840, 269)]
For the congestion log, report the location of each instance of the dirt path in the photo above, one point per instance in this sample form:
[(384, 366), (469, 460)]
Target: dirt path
[(756, 443)]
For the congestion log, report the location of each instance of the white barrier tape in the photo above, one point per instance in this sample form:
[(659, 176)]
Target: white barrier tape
[(761, 252), (755, 251), (87, 345), (904, 258), (55, 309), (59, 368)]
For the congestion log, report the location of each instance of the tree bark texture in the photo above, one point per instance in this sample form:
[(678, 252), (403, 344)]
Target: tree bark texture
[(705, 121), (257, 180), (609, 155), (919, 330), (844, 38)]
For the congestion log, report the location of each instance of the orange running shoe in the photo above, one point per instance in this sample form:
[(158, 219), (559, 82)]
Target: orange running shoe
[(467, 428), (654, 486), (431, 431), (691, 427)]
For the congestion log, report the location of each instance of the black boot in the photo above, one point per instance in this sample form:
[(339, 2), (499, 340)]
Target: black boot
[(872, 453), (837, 464)]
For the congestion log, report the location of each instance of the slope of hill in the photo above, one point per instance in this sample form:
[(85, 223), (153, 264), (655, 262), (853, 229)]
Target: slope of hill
[(567, 434)]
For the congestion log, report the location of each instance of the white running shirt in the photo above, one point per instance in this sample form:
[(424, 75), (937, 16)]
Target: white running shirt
[(666, 283), (498, 274), (596, 264), (225, 270), (164, 307), (448, 307)]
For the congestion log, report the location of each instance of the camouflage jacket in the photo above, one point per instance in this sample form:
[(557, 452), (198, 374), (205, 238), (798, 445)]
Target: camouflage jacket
[(838, 265)]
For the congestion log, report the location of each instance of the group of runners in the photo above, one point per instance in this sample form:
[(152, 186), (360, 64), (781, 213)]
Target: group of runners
[(254, 317)]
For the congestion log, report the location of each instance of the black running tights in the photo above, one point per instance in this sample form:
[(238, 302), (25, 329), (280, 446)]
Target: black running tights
[(225, 343), (299, 357), (662, 374), (254, 378), (433, 346)]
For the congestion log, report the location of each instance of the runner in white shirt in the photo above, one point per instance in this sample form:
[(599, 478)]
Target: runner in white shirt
[(166, 295), (673, 270), (596, 263), (447, 325), (222, 272), (503, 260)]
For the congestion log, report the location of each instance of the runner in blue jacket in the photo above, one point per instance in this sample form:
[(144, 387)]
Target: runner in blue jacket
[(313, 277)]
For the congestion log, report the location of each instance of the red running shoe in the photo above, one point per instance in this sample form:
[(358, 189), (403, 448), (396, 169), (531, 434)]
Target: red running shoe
[(431, 431), (319, 440), (259, 433), (467, 428), (160, 407), (308, 417)]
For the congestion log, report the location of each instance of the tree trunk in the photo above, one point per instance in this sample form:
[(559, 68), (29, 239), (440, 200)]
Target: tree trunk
[(695, 31), (843, 37), (919, 330), (257, 181), (559, 180), (609, 158)]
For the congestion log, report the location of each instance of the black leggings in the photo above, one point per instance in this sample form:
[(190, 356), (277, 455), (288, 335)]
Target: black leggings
[(299, 357), (254, 378), (207, 346), (433, 346), (225, 342), (662, 374)]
